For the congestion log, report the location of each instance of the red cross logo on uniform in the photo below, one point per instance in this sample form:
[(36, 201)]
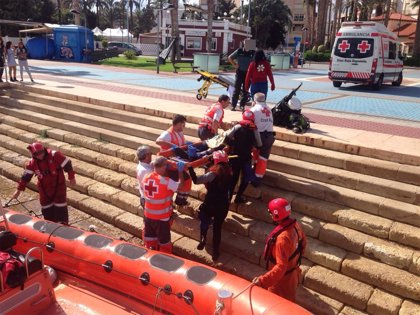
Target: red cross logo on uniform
[(344, 46), (363, 47), (266, 111), (150, 188)]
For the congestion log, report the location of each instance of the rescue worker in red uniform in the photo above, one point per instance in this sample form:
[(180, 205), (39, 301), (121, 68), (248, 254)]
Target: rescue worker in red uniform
[(158, 192), (173, 138), (283, 251), (213, 118), (216, 203), (49, 167)]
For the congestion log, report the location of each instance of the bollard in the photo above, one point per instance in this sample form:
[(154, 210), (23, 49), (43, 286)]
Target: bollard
[(224, 302)]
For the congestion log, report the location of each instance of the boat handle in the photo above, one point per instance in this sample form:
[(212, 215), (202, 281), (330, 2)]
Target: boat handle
[(28, 255)]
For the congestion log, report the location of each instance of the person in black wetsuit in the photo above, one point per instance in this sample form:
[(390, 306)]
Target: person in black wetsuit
[(216, 203)]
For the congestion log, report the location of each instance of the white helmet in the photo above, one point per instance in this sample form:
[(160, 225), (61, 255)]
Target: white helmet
[(294, 103)]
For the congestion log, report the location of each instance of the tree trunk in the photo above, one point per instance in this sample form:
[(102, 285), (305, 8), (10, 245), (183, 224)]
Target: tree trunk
[(176, 53), (387, 12), (416, 48), (210, 10), (337, 20), (322, 14)]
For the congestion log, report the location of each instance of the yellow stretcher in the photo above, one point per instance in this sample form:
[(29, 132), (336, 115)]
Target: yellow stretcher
[(210, 78)]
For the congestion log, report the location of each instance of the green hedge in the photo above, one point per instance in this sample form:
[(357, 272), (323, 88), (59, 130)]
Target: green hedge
[(317, 56), (412, 62)]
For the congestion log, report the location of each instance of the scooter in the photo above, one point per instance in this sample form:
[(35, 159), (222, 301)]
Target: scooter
[(287, 113)]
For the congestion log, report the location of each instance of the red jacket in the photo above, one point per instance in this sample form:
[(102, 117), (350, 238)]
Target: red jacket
[(258, 73)]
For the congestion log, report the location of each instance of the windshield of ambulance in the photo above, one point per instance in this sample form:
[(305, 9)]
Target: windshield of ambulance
[(354, 47)]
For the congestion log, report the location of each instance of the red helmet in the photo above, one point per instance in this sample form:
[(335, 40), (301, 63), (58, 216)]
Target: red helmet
[(279, 209), (35, 147), (248, 115), (220, 156)]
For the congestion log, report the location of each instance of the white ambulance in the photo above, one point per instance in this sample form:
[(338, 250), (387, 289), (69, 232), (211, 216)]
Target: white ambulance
[(365, 52)]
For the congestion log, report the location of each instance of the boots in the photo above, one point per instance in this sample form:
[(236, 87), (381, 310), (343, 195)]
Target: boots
[(202, 243), (216, 253)]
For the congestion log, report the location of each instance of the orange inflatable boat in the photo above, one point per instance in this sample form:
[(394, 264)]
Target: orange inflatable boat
[(71, 271)]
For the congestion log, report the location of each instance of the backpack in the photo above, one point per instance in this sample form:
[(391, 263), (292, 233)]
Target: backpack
[(13, 271), (284, 116)]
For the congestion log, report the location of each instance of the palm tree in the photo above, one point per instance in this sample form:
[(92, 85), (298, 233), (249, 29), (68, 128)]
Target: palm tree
[(110, 10), (416, 48), (176, 53), (131, 4), (100, 6), (210, 13), (322, 21)]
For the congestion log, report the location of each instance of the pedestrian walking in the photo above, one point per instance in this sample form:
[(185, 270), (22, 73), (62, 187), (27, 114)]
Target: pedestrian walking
[(22, 56), (240, 59), (216, 202), (213, 118), (158, 192), (49, 167), (264, 123), (242, 138), (2, 58), (11, 62), (257, 73), (283, 251)]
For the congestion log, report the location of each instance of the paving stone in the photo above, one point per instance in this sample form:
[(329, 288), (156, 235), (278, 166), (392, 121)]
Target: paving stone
[(324, 254), (348, 310), (291, 166), (369, 166), (338, 286), (310, 226), (364, 222), (87, 155), (319, 156), (409, 174), (316, 208), (126, 201), (343, 237), (305, 265), (389, 253), (269, 193), (128, 168), (28, 137), (127, 154), (74, 198), (405, 234), (333, 176), (102, 191), (57, 134), (409, 308), (109, 177), (415, 265), (109, 149), (238, 223), (383, 303), (400, 211), (255, 209), (108, 161), (83, 183), (241, 267), (317, 303), (130, 223), (131, 185), (86, 169), (386, 277), (100, 209), (259, 231), (188, 226), (242, 247)]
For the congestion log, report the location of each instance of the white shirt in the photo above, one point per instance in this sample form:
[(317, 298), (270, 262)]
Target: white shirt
[(142, 170), (263, 117), (166, 136)]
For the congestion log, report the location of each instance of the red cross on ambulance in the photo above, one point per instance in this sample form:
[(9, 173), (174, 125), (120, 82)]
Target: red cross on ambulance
[(363, 47), (150, 188), (344, 46)]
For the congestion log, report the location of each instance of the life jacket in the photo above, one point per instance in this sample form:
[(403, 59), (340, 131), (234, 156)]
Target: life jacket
[(271, 241), (12, 270), (207, 120), (53, 166), (158, 198), (177, 138)]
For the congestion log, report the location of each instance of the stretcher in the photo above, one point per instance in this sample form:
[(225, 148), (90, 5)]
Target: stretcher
[(224, 81)]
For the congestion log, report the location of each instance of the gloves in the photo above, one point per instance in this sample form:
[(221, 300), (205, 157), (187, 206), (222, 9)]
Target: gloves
[(180, 166), (192, 152), (174, 146), (273, 87), (188, 143)]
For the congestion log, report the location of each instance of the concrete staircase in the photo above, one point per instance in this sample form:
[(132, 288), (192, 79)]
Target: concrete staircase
[(360, 207)]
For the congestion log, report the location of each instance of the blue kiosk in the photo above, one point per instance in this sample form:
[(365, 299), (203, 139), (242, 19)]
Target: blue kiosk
[(73, 43)]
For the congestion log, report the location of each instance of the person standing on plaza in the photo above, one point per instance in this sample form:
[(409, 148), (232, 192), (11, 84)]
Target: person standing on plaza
[(283, 251), (158, 192), (144, 155), (22, 56), (216, 203), (242, 138), (2, 59), (240, 59), (264, 123), (49, 167), (173, 138), (213, 118), (11, 62), (257, 74)]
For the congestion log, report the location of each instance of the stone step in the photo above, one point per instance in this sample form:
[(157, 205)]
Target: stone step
[(353, 163)]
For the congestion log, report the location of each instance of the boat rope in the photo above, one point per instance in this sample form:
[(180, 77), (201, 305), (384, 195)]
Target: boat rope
[(159, 289), (249, 286)]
